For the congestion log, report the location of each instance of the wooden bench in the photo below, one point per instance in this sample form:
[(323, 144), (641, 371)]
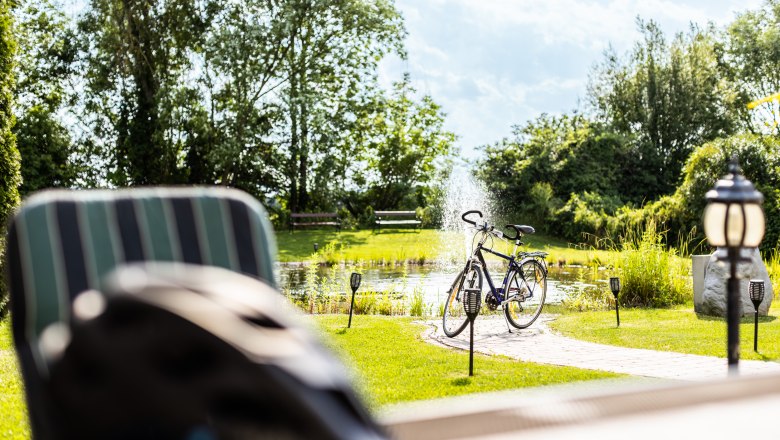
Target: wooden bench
[(314, 219), (386, 218)]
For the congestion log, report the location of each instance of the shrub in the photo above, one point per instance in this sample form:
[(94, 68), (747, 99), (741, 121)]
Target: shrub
[(588, 299), (346, 219), (586, 215), (652, 275)]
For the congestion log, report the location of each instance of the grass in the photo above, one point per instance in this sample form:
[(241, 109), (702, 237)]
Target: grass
[(13, 408), (392, 364), (676, 329), (363, 245), (409, 245)]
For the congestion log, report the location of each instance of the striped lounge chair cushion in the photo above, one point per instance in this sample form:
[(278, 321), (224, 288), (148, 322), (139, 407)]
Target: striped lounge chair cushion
[(61, 243)]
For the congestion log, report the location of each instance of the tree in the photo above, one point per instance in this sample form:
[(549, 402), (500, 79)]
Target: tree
[(331, 63), (10, 177), (46, 59), (243, 51), (671, 97), (137, 54), (409, 141), (751, 60)]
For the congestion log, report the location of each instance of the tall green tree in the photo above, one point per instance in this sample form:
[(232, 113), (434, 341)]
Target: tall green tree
[(332, 61), (10, 177), (137, 54), (670, 96), (751, 60), (44, 91), (231, 143)]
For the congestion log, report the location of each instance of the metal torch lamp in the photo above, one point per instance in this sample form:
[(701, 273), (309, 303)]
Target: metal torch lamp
[(471, 305), (354, 283), (733, 219), (614, 285), (756, 290)]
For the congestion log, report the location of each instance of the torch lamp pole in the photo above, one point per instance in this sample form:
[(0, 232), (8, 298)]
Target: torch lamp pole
[(471, 306), (354, 283), (756, 290), (614, 285)]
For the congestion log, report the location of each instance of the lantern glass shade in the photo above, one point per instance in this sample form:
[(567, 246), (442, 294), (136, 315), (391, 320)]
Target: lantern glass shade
[(755, 225), (756, 290), (734, 224), (354, 280), (614, 285)]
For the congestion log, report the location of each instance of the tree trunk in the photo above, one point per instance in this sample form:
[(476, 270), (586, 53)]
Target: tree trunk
[(144, 155), (303, 193), (293, 160)]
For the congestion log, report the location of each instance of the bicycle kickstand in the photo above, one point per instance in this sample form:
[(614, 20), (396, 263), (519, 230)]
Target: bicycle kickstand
[(506, 321)]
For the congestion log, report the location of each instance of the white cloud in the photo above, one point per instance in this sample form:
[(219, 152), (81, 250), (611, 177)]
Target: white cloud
[(589, 24), (492, 64)]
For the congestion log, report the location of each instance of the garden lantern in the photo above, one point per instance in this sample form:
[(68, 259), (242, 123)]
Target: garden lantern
[(471, 305), (733, 219), (756, 295), (614, 285), (354, 283), (316, 247)]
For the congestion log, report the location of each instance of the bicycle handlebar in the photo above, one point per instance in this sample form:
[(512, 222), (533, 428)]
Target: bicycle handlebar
[(474, 223), (491, 229)]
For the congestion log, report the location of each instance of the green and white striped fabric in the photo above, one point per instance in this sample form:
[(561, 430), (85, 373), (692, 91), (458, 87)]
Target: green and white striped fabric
[(62, 243)]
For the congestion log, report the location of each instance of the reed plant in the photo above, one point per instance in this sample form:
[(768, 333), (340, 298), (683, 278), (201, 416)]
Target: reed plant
[(325, 290), (417, 306), (652, 274), (589, 298), (365, 304)]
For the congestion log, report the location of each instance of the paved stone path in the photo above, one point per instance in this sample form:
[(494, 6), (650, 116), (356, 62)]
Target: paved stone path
[(539, 344)]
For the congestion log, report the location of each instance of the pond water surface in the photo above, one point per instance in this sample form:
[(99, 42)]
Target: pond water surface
[(432, 280)]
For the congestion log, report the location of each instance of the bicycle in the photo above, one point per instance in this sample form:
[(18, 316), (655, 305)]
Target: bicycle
[(522, 292)]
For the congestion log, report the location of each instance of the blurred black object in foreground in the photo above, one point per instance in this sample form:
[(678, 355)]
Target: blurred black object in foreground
[(176, 351)]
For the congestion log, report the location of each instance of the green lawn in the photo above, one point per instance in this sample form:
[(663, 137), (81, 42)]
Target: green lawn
[(392, 364), (13, 408), (677, 329), (365, 245), (419, 246)]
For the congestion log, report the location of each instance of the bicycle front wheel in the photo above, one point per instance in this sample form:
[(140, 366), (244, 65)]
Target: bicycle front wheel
[(454, 318), (526, 292)]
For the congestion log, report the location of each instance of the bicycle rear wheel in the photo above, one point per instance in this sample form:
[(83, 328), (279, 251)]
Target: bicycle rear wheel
[(526, 292), (454, 318)]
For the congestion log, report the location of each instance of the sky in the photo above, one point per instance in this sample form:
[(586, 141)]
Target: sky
[(492, 64)]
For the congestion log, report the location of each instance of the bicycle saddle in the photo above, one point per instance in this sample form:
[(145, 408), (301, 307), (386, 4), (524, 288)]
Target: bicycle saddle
[(522, 229)]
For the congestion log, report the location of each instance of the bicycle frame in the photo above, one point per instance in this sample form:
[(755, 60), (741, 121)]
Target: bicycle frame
[(497, 293)]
